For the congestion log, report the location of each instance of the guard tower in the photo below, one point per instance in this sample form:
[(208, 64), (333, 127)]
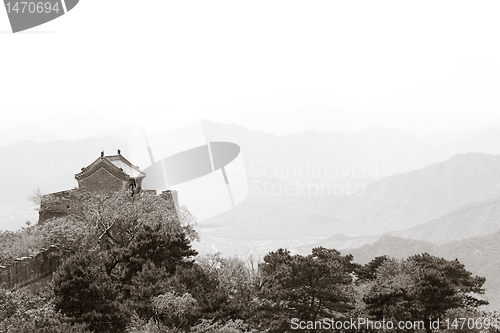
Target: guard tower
[(110, 174)]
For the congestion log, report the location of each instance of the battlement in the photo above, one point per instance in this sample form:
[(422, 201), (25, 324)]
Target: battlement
[(33, 272), (64, 203), (58, 204)]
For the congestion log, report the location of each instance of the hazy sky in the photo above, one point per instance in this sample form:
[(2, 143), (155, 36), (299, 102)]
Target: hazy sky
[(241, 61)]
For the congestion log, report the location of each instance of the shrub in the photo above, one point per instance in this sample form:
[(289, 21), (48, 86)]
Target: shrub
[(174, 311)]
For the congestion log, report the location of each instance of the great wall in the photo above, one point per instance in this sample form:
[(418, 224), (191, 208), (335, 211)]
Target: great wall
[(35, 272), (32, 272)]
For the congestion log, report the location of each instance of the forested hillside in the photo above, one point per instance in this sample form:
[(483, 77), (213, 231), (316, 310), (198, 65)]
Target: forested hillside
[(478, 254), (128, 266)]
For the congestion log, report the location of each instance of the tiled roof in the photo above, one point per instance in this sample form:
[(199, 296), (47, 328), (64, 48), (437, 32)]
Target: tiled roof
[(127, 167), (117, 165)]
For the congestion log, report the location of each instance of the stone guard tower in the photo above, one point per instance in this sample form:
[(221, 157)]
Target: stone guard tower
[(110, 174), (106, 174)]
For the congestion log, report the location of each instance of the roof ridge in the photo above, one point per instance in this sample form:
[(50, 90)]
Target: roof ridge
[(124, 160), (107, 164), (115, 164)]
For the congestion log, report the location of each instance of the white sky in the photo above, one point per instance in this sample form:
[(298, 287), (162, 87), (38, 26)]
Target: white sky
[(241, 61)]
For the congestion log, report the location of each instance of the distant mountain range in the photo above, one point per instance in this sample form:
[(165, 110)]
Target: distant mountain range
[(451, 200), (26, 133), (452, 191), (60, 126), (402, 201), (388, 150), (301, 161), (474, 219)]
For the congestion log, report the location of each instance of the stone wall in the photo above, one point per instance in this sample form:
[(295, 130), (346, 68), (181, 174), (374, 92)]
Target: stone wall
[(172, 199), (33, 272), (57, 205), (65, 203)]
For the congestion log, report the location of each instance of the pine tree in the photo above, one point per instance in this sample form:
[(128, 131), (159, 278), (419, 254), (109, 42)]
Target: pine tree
[(86, 294), (422, 288)]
